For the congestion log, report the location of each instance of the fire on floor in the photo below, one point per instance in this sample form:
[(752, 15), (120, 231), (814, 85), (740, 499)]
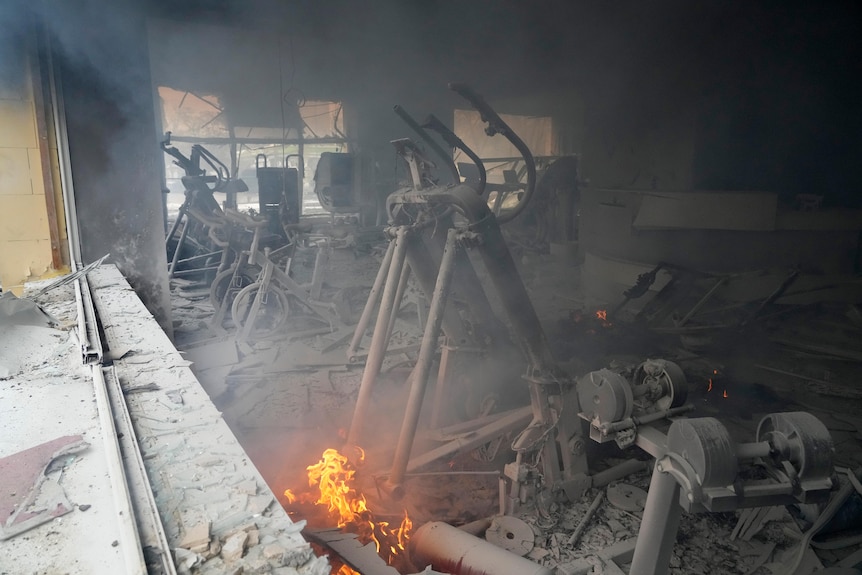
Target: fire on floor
[(510, 463)]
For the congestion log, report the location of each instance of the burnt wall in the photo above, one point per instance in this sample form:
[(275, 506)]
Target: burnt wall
[(105, 77)]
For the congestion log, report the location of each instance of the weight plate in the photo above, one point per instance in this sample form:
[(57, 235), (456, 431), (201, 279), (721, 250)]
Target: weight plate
[(627, 497), (511, 534)]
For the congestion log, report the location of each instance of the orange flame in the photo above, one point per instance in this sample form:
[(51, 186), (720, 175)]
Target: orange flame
[(724, 395), (602, 316), (710, 385), (333, 476)]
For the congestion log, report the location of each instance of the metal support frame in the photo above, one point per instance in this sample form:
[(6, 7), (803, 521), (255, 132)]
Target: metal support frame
[(659, 525), (378, 342), (370, 304), (423, 365), (697, 470)]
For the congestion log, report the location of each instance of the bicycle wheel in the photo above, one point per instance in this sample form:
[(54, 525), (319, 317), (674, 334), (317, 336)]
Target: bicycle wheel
[(222, 285), (271, 316)]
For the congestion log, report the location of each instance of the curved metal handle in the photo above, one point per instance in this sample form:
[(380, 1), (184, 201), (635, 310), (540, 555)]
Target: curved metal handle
[(496, 125), (447, 159), (434, 123)]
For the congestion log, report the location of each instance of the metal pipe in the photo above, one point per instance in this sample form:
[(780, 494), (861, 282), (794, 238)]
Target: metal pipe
[(399, 296), (636, 420), (452, 550), (371, 303), (200, 257), (378, 342), (423, 364), (659, 525), (625, 468), (514, 419), (177, 250), (320, 261), (753, 450), (195, 271), (447, 158), (177, 222), (585, 520)]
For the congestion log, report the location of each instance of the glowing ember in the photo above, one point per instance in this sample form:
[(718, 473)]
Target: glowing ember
[(708, 389), (333, 476), (602, 316), (724, 395)]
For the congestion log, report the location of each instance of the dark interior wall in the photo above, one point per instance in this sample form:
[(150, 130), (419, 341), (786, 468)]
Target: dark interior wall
[(105, 77), (676, 94), (780, 110)]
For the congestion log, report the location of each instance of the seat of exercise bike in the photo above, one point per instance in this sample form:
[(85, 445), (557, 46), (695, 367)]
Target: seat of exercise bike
[(246, 220), (301, 227)]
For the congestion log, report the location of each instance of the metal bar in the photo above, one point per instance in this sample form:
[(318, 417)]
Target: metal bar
[(399, 297), (215, 141), (83, 336), (129, 536), (452, 431), (423, 266), (616, 472), (91, 343), (177, 250), (423, 365), (659, 526), (180, 214), (377, 350), (195, 271), (513, 420), (441, 390), (200, 257), (701, 303), (151, 530), (585, 520), (320, 260), (251, 318)]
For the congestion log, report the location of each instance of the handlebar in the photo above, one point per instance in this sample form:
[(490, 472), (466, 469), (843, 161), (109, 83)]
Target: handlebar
[(245, 220), (192, 165), (434, 123), (496, 125), (447, 159)]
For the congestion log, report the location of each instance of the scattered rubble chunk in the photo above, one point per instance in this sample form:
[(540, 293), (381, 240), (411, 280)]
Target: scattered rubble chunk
[(273, 551), (196, 536), (234, 546)]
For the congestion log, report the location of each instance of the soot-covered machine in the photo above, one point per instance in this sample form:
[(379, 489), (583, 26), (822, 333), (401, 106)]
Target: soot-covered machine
[(448, 238)]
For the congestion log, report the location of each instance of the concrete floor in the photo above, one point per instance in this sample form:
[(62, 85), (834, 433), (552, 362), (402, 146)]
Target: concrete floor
[(287, 402)]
